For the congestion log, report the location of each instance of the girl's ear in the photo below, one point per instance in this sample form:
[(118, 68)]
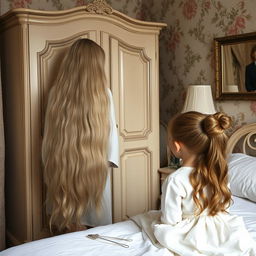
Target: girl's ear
[(177, 146)]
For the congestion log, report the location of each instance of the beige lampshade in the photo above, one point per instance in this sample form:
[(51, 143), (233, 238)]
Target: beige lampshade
[(199, 98)]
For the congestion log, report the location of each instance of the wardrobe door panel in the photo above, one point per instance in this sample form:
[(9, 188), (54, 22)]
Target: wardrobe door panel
[(131, 81), (134, 92), (136, 167)]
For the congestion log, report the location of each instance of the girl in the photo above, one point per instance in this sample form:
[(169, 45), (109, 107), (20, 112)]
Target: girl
[(194, 207), (80, 137)]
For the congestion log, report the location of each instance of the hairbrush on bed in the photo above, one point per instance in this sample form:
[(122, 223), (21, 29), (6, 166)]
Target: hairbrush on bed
[(110, 239)]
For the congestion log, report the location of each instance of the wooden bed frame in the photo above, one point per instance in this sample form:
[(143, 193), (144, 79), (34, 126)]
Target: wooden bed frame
[(243, 140)]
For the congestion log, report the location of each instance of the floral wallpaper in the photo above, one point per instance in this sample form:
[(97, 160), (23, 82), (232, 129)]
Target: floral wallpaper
[(126, 6), (186, 45), (186, 48)]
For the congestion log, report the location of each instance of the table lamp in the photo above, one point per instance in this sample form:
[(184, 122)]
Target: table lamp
[(199, 98)]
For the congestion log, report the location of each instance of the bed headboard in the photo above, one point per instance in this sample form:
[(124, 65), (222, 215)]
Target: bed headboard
[(243, 140)]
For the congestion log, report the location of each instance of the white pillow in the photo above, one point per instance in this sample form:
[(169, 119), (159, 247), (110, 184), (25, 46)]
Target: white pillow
[(242, 175)]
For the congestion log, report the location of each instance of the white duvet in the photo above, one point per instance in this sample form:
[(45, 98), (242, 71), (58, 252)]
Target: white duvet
[(76, 244), (246, 209)]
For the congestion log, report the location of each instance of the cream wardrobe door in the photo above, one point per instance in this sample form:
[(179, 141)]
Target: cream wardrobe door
[(133, 81)]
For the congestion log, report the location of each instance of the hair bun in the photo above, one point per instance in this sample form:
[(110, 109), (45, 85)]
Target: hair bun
[(216, 124)]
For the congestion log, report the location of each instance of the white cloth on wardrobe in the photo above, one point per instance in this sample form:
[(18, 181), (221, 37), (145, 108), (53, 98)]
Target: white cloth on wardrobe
[(91, 218), (188, 235), (113, 146)]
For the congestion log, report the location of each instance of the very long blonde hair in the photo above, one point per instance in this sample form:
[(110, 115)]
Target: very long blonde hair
[(204, 135), (76, 133)]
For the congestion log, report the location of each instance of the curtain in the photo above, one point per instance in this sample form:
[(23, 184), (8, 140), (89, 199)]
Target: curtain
[(2, 210), (235, 59), (228, 71), (240, 50)]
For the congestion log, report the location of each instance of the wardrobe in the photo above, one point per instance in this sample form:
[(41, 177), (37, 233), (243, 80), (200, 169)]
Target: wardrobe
[(32, 46)]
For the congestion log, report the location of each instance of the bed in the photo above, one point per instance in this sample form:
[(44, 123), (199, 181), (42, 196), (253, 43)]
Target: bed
[(243, 187)]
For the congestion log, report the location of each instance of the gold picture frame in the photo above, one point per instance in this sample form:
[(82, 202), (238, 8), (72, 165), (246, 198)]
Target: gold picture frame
[(232, 55)]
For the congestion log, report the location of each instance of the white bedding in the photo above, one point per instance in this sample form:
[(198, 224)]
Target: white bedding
[(247, 209), (77, 244)]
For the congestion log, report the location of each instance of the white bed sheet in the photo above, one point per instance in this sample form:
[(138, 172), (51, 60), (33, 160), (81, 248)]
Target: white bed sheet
[(76, 244), (246, 209)]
